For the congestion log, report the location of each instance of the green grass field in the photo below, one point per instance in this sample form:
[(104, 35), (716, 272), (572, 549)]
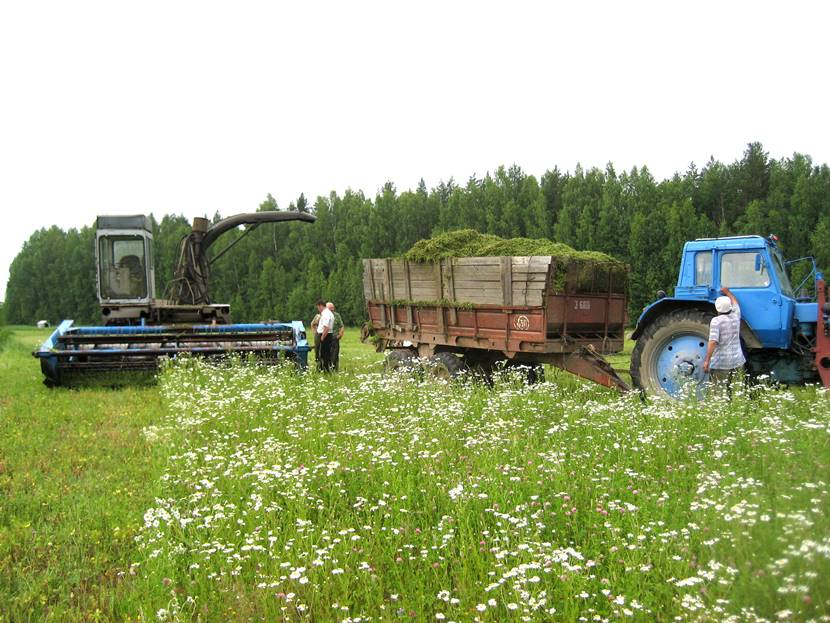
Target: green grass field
[(240, 493)]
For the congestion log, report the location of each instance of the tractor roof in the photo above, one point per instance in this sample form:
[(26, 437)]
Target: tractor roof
[(135, 221), (729, 242)]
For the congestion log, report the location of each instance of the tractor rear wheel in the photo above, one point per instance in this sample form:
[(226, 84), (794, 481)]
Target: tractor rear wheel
[(446, 366), (668, 357)]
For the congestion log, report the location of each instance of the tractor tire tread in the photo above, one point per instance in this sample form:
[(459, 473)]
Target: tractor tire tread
[(677, 316)]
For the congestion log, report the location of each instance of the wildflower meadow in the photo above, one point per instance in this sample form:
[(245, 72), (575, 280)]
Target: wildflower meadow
[(262, 494)]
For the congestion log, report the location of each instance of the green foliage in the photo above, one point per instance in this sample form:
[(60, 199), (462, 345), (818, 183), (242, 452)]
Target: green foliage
[(53, 277), (470, 243), (821, 242), (279, 271)]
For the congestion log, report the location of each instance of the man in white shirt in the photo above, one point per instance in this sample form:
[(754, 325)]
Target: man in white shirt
[(724, 357), (325, 330)]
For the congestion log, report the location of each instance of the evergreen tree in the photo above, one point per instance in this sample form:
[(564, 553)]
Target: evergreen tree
[(820, 240), (278, 271)]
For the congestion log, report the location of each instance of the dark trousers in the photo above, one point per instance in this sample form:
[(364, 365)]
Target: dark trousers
[(325, 363), (722, 380), (335, 354)]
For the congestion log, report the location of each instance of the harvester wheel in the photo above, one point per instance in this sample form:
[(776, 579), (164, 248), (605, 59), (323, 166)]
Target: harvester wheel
[(446, 366), (399, 359), (668, 357)]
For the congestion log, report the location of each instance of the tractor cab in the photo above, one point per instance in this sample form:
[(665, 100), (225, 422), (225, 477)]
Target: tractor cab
[(754, 269), (123, 252)]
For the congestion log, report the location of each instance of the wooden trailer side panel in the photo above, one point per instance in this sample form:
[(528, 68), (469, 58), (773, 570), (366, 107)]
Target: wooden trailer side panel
[(496, 328), (506, 281)]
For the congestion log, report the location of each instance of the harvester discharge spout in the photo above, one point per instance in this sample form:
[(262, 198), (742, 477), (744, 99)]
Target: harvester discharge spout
[(190, 281)]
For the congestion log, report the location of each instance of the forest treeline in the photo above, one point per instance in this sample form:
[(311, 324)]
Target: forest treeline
[(279, 271)]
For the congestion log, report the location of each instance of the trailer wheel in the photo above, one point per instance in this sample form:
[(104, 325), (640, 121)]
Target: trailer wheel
[(446, 366), (399, 359), (531, 373), (668, 357), (536, 374)]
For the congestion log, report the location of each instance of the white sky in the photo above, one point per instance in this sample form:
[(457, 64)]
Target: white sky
[(193, 107)]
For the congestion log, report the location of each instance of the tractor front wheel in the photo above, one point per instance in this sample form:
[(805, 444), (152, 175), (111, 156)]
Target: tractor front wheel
[(668, 357)]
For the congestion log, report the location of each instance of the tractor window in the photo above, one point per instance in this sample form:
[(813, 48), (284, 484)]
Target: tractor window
[(703, 268), (783, 277), (122, 267), (744, 270)]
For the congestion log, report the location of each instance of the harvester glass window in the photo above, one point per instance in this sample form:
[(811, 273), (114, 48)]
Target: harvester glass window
[(744, 270), (123, 267), (703, 268)]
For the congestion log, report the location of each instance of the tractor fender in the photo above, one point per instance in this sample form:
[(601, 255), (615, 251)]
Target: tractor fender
[(670, 304)]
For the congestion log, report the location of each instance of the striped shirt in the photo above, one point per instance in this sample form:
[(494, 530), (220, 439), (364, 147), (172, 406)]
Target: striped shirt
[(725, 329)]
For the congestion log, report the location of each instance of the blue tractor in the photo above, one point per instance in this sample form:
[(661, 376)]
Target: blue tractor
[(785, 330)]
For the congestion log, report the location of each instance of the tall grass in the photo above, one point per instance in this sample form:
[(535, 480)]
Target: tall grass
[(366, 497), (236, 492), (5, 334)]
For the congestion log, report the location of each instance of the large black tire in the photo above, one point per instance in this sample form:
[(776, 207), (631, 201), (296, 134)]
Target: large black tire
[(446, 366), (400, 359), (532, 373), (536, 374), (644, 373)]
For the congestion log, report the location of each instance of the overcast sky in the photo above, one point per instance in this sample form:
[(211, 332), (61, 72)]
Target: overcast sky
[(193, 107)]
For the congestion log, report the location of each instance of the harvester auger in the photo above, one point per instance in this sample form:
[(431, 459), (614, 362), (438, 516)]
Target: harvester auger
[(139, 329)]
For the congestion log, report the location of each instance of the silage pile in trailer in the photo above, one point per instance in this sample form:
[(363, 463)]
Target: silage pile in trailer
[(573, 271)]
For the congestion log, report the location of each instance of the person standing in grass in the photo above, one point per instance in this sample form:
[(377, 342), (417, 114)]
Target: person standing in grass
[(314, 323), (724, 357), (338, 330), (325, 329)]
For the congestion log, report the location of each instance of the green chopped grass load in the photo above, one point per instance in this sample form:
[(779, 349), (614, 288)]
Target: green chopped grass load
[(576, 271), (470, 243)]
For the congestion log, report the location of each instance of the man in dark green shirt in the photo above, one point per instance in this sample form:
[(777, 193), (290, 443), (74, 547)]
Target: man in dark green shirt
[(337, 333), (314, 324)]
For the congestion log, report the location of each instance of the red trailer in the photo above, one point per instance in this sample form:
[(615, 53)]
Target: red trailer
[(474, 312)]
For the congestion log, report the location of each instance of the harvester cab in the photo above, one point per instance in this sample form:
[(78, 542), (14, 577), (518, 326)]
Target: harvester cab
[(139, 329), (123, 252), (785, 332)]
